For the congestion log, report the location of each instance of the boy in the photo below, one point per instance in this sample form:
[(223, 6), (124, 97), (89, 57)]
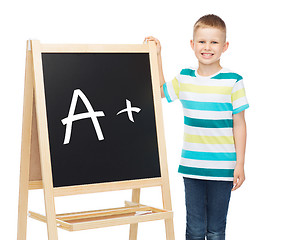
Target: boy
[(214, 100)]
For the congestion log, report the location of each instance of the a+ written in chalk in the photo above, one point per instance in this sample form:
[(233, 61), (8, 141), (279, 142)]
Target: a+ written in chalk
[(129, 109)]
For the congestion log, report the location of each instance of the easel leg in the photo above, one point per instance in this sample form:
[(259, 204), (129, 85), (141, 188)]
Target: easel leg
[(134, 227), (25, 149), (51, 218), (44, 149), (23, 206), (169, 225)]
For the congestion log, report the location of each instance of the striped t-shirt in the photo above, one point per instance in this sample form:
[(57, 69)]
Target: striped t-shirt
[(208, 104)]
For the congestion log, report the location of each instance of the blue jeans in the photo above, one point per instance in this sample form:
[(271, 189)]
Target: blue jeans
[(207, 204)]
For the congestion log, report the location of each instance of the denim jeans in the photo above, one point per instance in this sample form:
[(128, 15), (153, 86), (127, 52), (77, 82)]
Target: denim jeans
[(207, 204)]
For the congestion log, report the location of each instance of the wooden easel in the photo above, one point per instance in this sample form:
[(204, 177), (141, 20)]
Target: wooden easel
[(36, 173)]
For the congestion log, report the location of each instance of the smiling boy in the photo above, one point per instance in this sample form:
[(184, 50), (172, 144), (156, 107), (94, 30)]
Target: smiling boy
[(214, 100)]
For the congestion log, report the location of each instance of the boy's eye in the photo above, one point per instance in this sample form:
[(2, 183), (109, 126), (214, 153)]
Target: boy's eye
[(201, 41), (214, 42)]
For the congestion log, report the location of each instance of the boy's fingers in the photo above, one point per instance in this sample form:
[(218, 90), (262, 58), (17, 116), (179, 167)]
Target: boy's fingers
[(236, 186), (241, 181), (237, 183), (150, 38)]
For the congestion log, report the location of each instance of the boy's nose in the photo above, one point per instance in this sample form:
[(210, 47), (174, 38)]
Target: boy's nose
[(207, 46)]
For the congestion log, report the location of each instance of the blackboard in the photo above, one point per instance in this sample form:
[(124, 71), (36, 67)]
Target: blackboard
[(128, 149)]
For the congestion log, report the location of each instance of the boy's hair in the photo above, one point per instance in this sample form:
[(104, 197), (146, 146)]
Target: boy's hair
[(212, 21)]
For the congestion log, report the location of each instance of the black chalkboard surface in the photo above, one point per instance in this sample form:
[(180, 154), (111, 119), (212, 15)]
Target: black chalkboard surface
[(113, 133)]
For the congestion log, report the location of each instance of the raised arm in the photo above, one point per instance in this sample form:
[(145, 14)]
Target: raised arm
[(161, 75)]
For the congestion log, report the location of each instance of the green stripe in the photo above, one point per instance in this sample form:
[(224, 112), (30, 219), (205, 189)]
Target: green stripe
[(240, 109), (176, 87), (165, 90), (238, 94), (187, 87), (206, 172), (208, 123), (188, 72), (228, 76), (209, 156), (207, 106), (208, 139)]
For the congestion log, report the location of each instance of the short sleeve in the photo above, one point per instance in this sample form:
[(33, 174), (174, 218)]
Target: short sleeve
[(171, 89), (238, 97)]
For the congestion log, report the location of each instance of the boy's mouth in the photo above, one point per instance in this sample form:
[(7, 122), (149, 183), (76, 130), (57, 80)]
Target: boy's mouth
[(207, 55)]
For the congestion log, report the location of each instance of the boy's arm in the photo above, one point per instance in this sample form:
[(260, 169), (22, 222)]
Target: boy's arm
[(240, 134), (161, 76)]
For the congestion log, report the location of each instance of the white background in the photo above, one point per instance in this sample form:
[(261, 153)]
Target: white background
[(255, 35)]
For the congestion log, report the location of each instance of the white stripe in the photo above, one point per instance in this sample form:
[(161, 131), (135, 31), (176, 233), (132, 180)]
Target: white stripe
[(226, 70), (185, 79), (208, 164), (238, 85), (240, 102), (207, 178), (205, 97), (207, 114), (206, 81), (208, 131), (200, 147)]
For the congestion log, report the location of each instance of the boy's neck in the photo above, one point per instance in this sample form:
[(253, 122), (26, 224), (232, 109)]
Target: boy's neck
[(208, 70)]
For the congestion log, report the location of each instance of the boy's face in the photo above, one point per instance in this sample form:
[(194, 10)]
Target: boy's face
[(208, 45)]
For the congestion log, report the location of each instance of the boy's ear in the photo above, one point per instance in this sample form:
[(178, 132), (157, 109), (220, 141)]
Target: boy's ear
[(192, 44), (226, 45)]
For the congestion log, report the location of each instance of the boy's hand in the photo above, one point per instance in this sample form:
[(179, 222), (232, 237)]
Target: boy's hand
[(150, 38), (239, 177)]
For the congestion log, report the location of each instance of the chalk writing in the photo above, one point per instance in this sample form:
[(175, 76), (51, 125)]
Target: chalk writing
[(129, 109), (68, 121)]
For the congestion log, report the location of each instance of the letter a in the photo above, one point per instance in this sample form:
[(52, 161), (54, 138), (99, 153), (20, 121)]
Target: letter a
[(68, 121)]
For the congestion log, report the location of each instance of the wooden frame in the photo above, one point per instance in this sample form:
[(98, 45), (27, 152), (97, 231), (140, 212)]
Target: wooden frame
[(132, 213), (36, 171)]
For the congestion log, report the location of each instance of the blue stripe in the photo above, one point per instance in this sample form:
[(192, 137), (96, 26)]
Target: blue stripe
[(165, 90), (228, 76), (209, 156), (206, 172), (240, 109), (207, 106), (188, 72), (208, 123)]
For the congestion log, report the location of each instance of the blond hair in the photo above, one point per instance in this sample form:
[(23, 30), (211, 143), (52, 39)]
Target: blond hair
[(210, 21)]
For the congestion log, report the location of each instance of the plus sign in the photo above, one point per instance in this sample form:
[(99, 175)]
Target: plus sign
[(130, 110)]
